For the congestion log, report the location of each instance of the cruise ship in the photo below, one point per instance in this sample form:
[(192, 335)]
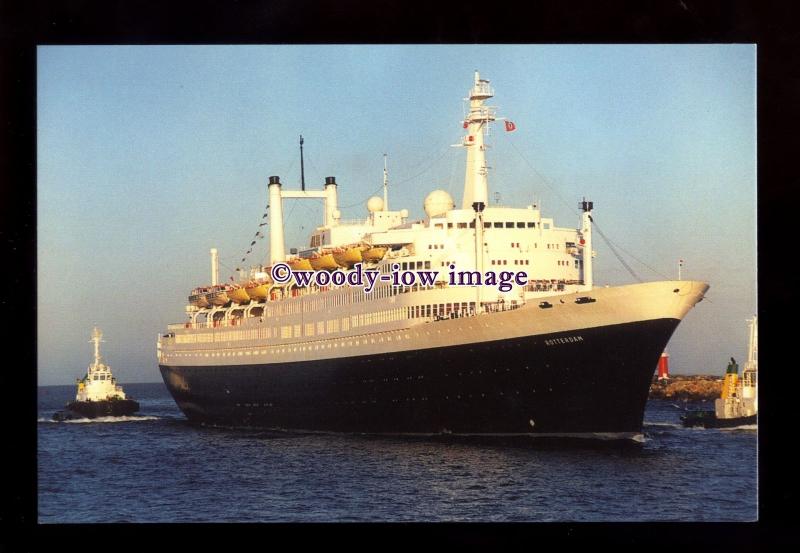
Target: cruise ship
[(546, 355)]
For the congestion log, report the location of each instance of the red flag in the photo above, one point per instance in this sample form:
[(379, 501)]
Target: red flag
[(466, 124), (510, 126)]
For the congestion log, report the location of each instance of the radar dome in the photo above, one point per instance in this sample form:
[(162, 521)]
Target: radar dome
[(375, 203), (437, 203)]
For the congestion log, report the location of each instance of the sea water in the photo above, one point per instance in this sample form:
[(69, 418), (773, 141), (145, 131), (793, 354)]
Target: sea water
[(156, 467)]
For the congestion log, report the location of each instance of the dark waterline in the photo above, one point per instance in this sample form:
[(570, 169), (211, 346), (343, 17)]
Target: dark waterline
[(155, 467)]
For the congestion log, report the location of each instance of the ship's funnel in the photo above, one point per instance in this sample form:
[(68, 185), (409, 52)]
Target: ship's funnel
[(277, 249), (214, 267), (331, 201)]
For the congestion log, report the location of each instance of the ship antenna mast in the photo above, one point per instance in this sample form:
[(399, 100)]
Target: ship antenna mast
[(752, 350), (97, 337), (476, 186), (385, 184), (302, 172)]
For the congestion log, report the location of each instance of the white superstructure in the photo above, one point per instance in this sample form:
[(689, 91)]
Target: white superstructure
[(98, 384), (295, 322)]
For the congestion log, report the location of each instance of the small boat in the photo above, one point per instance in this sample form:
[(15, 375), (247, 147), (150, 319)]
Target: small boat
[(198, 298), (323, 262), (257, 290), (349, 256), (300, 264), (238, 294), (98, 394), (374, 254), (738, 403), (218, 295)]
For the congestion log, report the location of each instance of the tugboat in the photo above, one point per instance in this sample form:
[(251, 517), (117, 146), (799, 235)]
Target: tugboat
[(98, 395), (738, 404)]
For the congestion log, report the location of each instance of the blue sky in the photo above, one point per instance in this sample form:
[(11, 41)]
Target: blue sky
[(150, 155)]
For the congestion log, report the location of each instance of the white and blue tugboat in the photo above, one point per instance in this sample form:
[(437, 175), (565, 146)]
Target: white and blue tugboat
[(98, 394)]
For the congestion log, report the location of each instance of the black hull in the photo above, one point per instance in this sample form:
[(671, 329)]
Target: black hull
[(536, 385), (708, 419), (111, 408)]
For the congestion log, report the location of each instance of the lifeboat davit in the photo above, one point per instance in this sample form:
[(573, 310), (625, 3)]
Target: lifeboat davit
[(374, 254), (324, 262), (349, 255), (300, 264)]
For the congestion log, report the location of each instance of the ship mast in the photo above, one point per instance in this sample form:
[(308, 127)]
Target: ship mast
[(385, 184), (97, 337), (302, 171), (752, 350), (586, 242), (476, 187)]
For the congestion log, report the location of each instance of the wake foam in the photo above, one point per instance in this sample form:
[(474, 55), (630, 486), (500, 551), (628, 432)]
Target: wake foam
[(742, 427), (127, 418), (663, 424)]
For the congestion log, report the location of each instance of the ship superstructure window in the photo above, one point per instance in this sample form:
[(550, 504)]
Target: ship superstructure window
[(462, 225), (531, 225), (521, 225), (498, 225), (509, 225)]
